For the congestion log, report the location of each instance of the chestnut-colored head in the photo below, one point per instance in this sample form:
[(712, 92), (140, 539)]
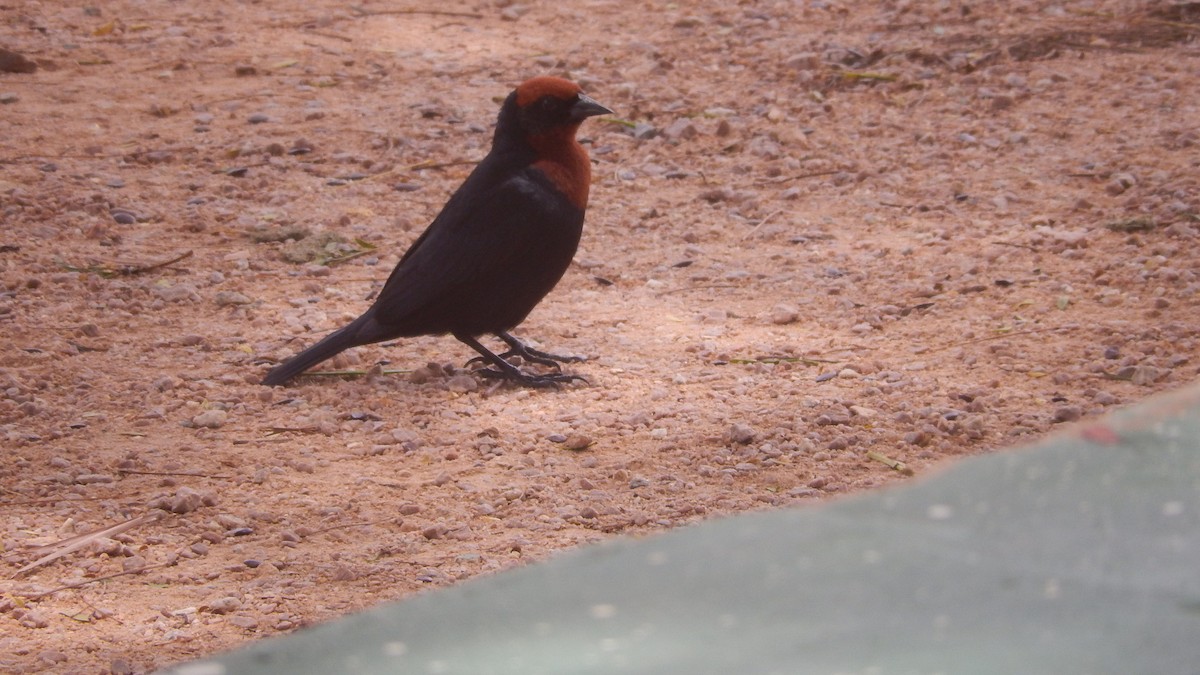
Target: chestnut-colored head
[(549, 103)]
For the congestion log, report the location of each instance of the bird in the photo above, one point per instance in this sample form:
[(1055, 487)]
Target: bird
[(503, 240)]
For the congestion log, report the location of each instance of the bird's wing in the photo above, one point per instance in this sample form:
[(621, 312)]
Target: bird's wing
[(485, 232)]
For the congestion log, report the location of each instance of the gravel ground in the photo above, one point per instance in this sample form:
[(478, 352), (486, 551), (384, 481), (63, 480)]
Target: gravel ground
[(824, 237)]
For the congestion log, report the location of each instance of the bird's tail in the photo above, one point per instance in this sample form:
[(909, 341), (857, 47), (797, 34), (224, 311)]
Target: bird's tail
[(334, 343)]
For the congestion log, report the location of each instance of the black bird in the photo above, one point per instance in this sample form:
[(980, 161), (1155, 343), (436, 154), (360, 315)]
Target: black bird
[(500, 244)]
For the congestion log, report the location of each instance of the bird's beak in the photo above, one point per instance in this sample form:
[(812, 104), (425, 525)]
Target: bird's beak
[(584, 107)]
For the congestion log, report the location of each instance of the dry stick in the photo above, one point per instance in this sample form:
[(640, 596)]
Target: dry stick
[(332, 36), (54, 500), (172, 473), (891, 463), (129, 269), (298, 430), (1014, 245), (760, 224), (1002, 335), (788, 179), (142, 269), (353, 373), (342, 527), (695, 288), (85, 582), (77, 542), (361, 11), (772, 360), (420, 166)]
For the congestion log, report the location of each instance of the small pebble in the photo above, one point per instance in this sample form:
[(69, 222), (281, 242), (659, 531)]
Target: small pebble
[(246, 622), (226, 298), (784, 314), (741, 434), (1068, 413), (30, 618), (52, 656), (680, 129), (223, 605), (257, 118), (462, 383), (577, 442), (230, 521), (212, 419)]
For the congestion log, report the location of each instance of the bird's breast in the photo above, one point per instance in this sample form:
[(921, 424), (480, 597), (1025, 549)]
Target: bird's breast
[(565, 164)]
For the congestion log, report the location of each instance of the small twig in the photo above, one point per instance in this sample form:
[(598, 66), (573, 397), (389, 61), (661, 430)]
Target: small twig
[(788, 179), (173, 473), (128, 269), (620, 122), (332, 36), (142, 269), (54, 500), (771, 360), (347, 525), (892, 463), (85, 582), (353, 373), (760, 224), (77, 542), (271, 431), (421, 166), (1001, 335), (347, 257), (695, 288), (361, 11), (855, 75), (1014, 245)]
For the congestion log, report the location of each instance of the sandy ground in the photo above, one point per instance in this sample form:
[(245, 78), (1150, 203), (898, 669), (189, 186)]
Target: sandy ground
[(818, 230)]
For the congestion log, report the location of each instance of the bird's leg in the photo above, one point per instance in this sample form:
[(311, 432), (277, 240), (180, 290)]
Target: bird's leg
[(531, 355), (516, 347), (507, 371)]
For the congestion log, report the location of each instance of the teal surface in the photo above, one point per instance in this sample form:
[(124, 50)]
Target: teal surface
[(1079, 556)]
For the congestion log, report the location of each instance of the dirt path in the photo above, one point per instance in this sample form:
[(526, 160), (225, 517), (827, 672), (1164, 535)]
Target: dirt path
[(921, 230)]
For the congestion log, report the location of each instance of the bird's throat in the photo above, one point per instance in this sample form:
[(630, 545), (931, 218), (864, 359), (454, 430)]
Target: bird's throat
[(565, 163)]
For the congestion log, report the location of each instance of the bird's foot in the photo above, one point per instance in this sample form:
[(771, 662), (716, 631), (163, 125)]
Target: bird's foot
[(528, 380), (530, 355), (545, 358), (501, 369)]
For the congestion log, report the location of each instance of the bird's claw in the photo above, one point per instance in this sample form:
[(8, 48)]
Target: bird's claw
[(529, 358), (531, 355), (546, 358), (547, 380)]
